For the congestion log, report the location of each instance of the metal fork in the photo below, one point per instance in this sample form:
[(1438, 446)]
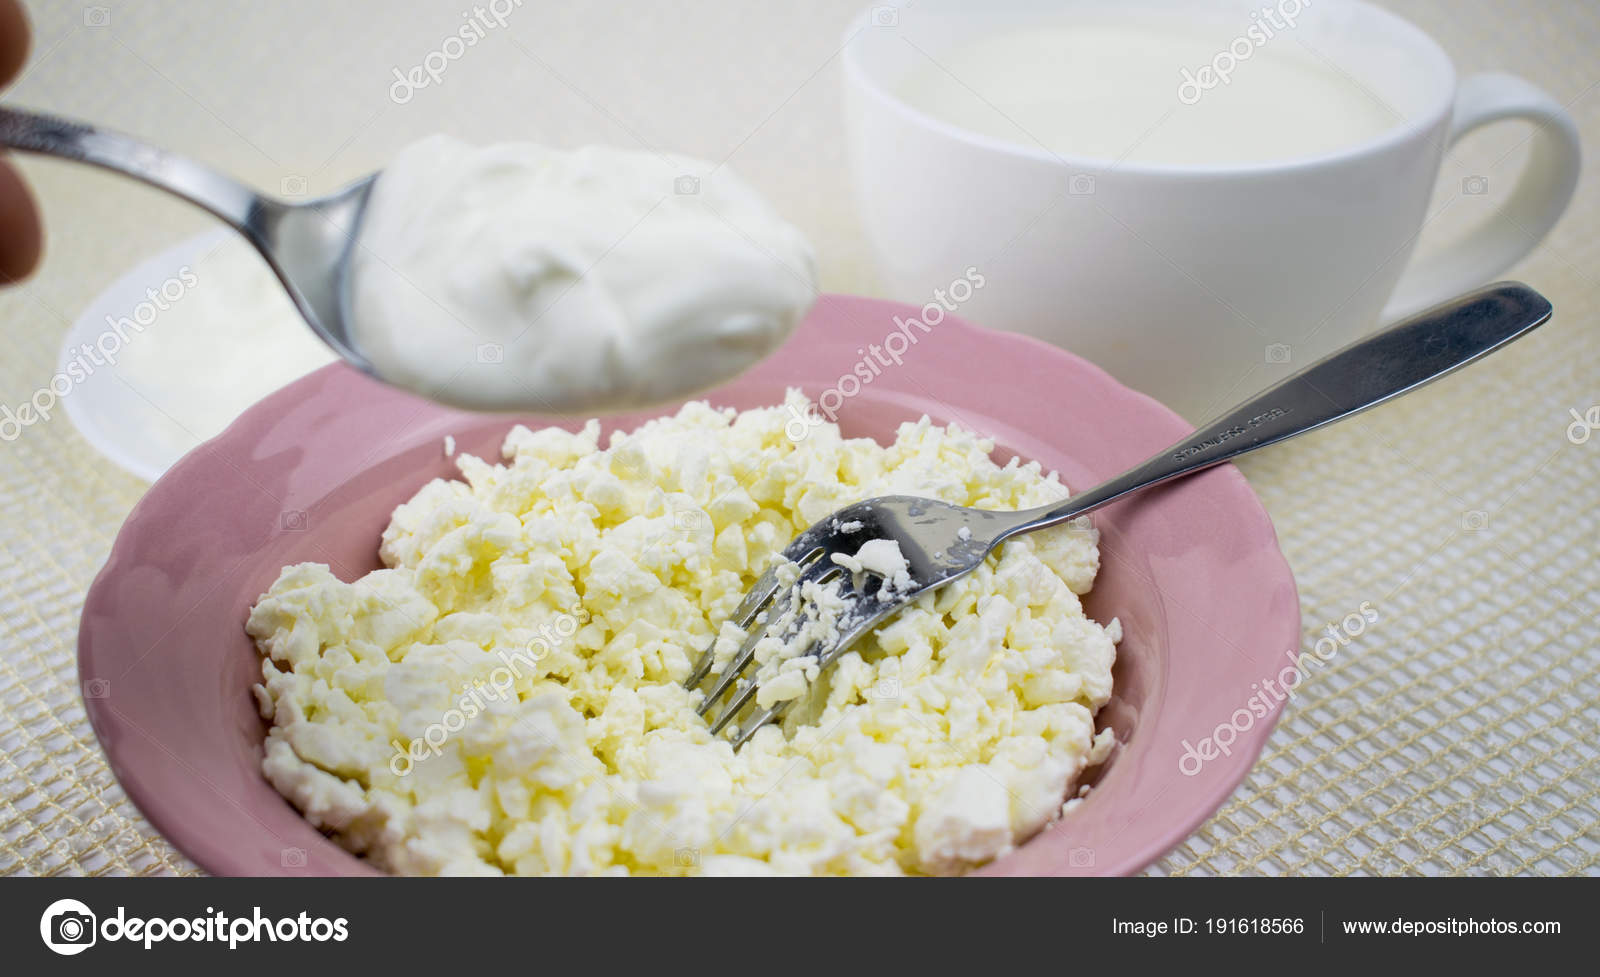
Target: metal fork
[(942, 542)]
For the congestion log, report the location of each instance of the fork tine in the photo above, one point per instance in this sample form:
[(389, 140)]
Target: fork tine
[(786, 597), (741, 660), (759, 594), (827, 656), (702, 667), (827, 627), (762, 591), (773, 712), (781, 601), (733, 708), (825, 653)]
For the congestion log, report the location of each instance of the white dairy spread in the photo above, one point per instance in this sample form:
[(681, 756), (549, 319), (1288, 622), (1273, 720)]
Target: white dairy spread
[(882, 557), (505, 696), (515, 276)]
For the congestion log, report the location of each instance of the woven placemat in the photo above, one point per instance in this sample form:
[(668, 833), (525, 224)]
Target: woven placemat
[(1455, 735)]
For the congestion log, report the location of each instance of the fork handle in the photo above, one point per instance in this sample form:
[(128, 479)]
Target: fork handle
[(50, 135), (1366, 373)]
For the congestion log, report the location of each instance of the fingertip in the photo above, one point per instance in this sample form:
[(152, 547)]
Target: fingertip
[(14, 34), (20, 234)]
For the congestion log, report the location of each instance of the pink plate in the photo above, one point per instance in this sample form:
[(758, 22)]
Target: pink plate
[(1193, 571)]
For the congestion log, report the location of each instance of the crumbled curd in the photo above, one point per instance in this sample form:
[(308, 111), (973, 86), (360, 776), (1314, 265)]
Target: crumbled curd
[(505, 696)]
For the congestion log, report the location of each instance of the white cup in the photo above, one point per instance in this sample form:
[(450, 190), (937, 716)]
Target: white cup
[(1195, 284)]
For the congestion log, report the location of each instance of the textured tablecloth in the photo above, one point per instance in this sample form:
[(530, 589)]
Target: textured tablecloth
[(1458, 735)]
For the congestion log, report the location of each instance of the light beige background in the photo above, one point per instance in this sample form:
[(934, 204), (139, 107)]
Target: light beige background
[(1456, 736)]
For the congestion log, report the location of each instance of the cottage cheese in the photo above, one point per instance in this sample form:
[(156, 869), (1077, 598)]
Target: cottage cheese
[(504, 697), (882, 557)]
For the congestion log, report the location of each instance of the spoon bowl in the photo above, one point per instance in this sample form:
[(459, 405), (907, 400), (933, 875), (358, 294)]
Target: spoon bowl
[(309, 246)]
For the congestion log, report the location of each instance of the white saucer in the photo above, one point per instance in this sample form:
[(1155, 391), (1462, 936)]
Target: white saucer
[(121, 421)]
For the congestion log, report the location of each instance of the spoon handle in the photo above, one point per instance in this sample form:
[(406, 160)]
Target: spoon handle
[(35, 132), (1364, 374)]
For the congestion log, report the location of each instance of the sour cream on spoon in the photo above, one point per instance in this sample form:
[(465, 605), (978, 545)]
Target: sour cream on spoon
[(520, 277)]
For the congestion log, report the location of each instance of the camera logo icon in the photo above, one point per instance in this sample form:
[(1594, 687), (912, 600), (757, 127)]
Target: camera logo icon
[(1474, 520), (885, 16), (292, 186), (1278, 353), (68, 927), (292, 520), (1474, 186), (693, 523), (97, 16), (292, 857), (686, 857), (491, 353), (97, 688), (1081, 858), (685, 185), (1080, 184)]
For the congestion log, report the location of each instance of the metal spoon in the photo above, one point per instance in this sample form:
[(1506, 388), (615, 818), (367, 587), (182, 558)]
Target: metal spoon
[(307, 244)]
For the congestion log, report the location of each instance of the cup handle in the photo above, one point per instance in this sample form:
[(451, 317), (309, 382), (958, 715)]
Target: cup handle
[(1535, 203)]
